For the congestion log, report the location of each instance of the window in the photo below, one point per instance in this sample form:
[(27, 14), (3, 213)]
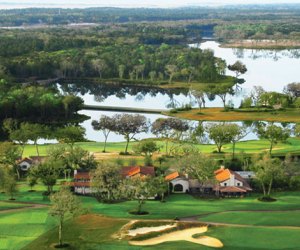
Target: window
[(225, 184), (238, 184), (178, 188)]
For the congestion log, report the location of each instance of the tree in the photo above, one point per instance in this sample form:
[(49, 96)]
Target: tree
[(273, 134), (221, 90), (221, 66), (99, 65), (106, 181), (171, 70), (297, 130), (169, 128), (293, 90), (21, 135), (106, 124), (121, 70), (238, 67), (161, 186), (48, 172), (220, 133), (32, 181), (200, 97), (267, 170), (146, 147), (64, 204), (139, 188), (10, 185), (9, 154), (236, 133), (35, 132), (129, 126), (198, 166), (70, 135)]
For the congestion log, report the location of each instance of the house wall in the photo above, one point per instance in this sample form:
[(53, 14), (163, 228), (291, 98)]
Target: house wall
[(232, 182), (24, 166), (82, 190), (184, 183)]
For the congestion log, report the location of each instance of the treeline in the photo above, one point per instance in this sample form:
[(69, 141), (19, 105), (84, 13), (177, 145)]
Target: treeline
[(36, 105), (135, 52), (258, 31), (21, 42), (118, 15)]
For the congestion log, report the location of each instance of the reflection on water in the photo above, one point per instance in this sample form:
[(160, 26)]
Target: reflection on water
[(271, 69)]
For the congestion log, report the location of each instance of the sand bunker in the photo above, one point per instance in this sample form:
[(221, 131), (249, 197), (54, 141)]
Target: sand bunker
[(183, 235), (144, 230)]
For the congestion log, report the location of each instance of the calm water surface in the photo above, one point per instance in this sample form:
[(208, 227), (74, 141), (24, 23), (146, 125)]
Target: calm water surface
[(271, 69)]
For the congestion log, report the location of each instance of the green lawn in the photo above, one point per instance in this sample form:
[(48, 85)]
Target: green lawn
[(36, 228), (10, 205), (185, 205), (250, 147), (18, 229), (237, 238), (290, 218)]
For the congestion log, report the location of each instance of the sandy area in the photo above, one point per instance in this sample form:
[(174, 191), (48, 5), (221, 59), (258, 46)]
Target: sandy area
[(144, 230), (183, 235)]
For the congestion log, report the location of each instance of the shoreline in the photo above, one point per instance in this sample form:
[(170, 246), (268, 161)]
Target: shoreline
[(261, 44)]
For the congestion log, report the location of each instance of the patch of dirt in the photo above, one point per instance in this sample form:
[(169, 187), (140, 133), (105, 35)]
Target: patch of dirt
[(183, 235)]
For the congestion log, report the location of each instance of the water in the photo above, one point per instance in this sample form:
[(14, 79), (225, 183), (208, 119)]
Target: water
[(271, 69), (14, 4)]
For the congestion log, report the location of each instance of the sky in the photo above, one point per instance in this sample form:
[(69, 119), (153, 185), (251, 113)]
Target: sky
[(8, 4)]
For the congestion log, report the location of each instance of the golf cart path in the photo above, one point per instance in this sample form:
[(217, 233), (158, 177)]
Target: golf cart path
[(196, 218), (16, 209)]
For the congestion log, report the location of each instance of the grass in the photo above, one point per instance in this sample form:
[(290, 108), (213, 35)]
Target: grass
[(94, 232), (10, 205), (18, 229), (249, 238), (197, 85), (290, 218), (185, 205), (249, 147), (218, 114), (35, 229)]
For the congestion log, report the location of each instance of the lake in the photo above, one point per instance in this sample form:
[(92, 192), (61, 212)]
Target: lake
[(271, 69)]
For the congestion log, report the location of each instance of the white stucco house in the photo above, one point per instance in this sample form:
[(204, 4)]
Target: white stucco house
[(179, 184)]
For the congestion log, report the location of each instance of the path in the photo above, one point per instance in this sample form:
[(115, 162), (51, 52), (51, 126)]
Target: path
[(195, 218), (16, 209)]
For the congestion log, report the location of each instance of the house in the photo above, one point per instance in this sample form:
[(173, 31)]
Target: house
[(230, 183), (82, 180), (226, 183), (247, 175), (128, 172), (81, 183), (179, 184), (25, 164)]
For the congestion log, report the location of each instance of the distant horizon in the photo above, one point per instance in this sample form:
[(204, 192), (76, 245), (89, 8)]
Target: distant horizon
[(17, 4)]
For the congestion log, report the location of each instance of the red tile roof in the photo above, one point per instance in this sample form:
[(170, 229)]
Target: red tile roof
[(82, 175), (133, 170), (78, 184), (232, 190), (26, 160), (172, 176)]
